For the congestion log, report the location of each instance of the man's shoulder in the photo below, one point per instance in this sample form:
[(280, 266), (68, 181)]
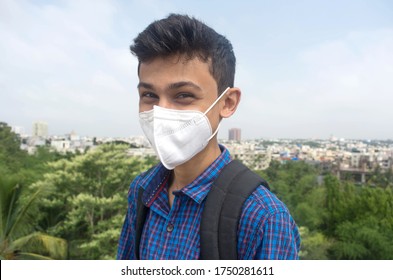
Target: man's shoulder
[(264, 201), (263, 208), (267, 228)]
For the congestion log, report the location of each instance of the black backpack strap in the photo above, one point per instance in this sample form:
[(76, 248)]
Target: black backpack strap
[(223, 206), (141, 212)]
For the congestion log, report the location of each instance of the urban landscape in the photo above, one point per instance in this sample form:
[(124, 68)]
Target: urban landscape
[(355, 158)]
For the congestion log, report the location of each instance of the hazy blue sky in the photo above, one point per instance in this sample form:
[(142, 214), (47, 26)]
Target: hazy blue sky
[(306, 68)]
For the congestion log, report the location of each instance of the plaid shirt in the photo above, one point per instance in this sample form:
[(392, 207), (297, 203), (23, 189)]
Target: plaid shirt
[(266, 229)]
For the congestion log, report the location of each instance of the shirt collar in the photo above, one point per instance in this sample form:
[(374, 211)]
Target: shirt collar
[(200, 187), (154, 180)]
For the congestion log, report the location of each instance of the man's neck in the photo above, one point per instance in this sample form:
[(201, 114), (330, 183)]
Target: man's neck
[(187, 172)]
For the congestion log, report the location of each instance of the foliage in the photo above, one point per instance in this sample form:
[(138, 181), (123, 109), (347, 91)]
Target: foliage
[(87, 201), (379, 178), (18, 240), (79, 198), (338, 219), (315, 245), (11, 157), (13, 160), (360, 219)]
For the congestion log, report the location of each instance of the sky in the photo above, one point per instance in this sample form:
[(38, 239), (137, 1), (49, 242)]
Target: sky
[(306, 69)]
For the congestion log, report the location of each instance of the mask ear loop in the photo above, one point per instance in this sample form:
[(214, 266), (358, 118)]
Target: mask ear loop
[(215, 132), (211, 106), (215, 102)]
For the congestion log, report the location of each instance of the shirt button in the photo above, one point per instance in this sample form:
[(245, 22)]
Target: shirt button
[(169, 228)]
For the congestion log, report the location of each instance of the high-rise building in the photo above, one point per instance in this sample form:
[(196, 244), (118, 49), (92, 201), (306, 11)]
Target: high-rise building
[(40, 129), (235, 134)]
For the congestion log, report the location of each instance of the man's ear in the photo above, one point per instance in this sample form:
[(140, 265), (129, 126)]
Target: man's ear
[(230, 102)]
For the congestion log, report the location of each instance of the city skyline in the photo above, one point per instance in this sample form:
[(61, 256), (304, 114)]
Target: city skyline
[(228, 135), (308, 69)]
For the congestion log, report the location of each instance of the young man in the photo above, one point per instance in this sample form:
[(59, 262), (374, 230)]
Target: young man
[(186, 87)]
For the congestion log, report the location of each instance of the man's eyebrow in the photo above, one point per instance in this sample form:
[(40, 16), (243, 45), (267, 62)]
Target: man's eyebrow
[(171, 86), (145, 85), (183, 84)]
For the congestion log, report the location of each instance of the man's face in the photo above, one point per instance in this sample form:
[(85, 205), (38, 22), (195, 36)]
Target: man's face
[(177, 83)]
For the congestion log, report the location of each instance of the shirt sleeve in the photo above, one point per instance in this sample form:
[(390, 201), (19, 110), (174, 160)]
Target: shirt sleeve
[(267, 230), (279, 238), (125, 250)]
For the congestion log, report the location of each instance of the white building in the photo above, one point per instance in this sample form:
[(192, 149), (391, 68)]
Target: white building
[(40, 129), (61, 145)]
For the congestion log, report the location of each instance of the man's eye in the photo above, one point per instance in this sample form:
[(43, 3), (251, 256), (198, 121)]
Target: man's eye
[(149, 95), (184, 95)]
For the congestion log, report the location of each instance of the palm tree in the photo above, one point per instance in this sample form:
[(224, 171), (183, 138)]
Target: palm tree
[(18, 240)]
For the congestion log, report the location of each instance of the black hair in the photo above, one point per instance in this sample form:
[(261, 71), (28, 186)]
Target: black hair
[(184, 35)]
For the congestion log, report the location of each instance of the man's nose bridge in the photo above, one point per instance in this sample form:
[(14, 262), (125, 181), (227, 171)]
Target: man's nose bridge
[(164, 102)]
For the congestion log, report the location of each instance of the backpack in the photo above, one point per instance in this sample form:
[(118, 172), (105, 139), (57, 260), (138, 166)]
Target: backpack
[(221, 214)]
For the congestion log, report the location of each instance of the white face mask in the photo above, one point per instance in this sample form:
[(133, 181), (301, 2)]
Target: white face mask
[(177, 135)]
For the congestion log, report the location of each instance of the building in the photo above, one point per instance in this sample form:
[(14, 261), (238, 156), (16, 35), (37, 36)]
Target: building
[(235, 134), (40, 129), (61, 145)]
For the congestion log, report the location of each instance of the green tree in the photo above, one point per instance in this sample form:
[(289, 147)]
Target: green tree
[(11, 157), (362, 239), (14, 161), (380, 178), (291, 181), (88, 199), (18, 238), (359, 219), (315, 246)]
